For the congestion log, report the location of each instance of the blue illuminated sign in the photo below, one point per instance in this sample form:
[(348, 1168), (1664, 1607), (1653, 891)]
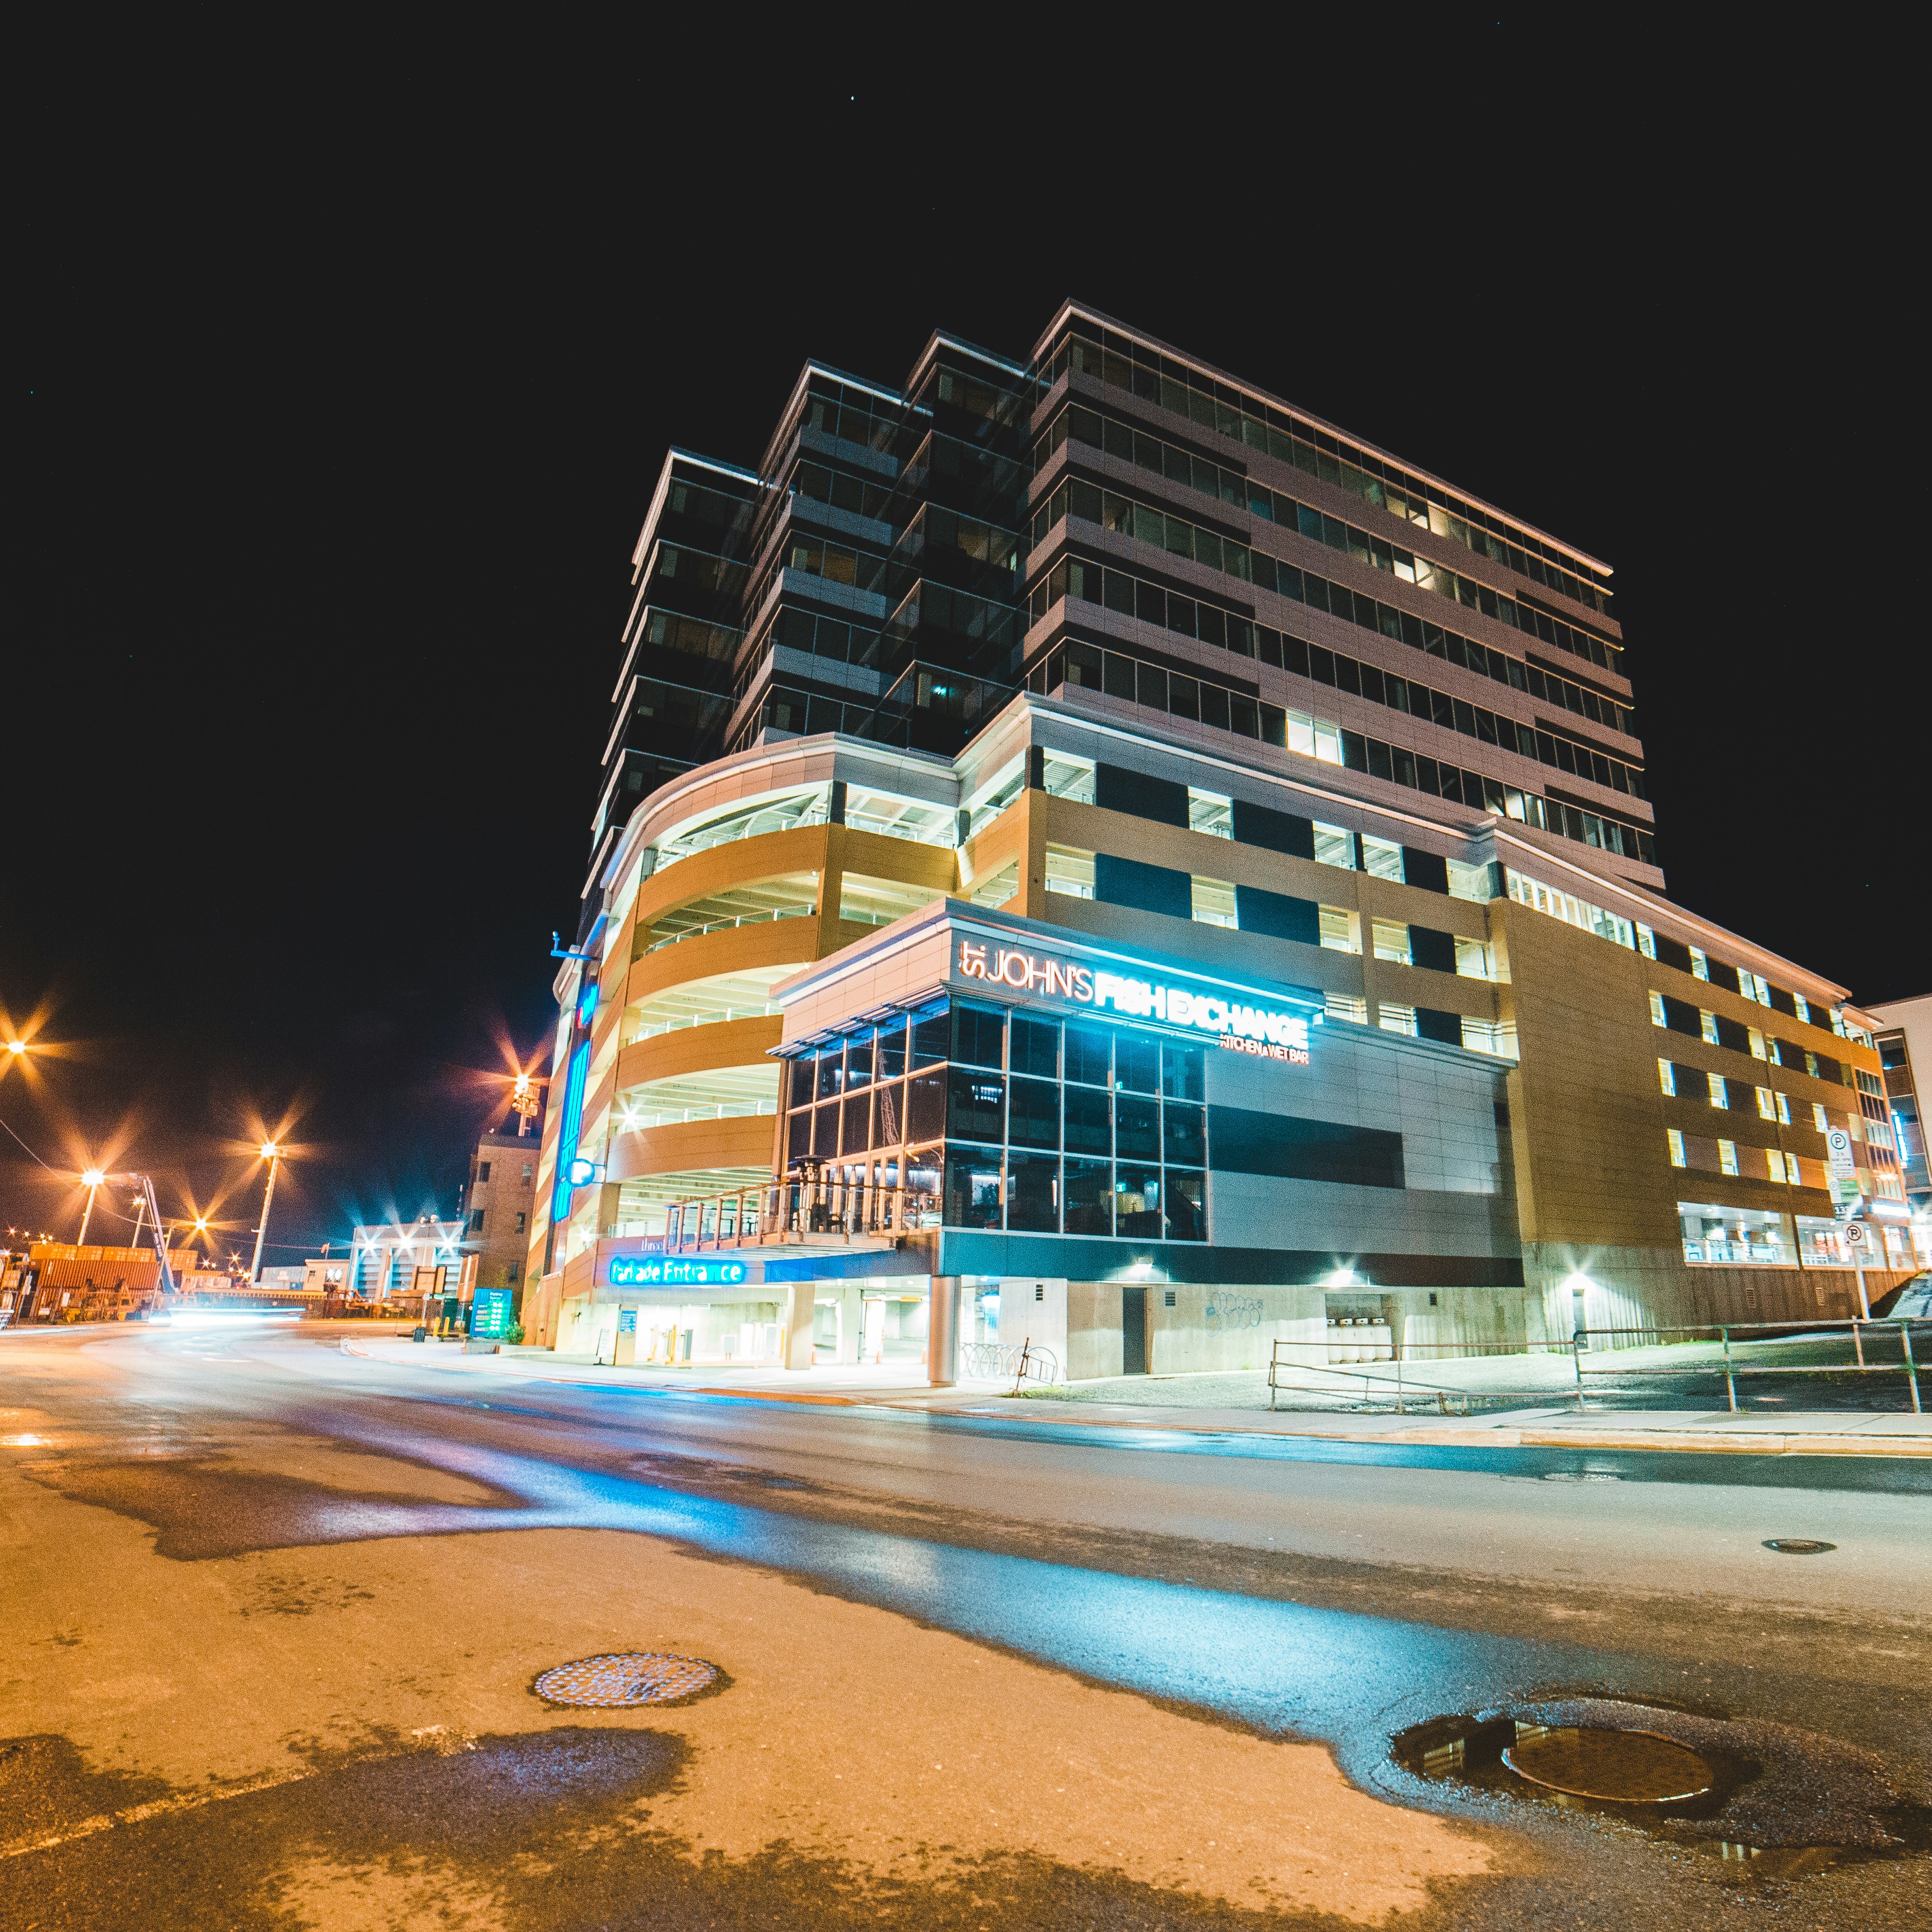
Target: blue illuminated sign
[(668, 1271), (493, 1312)]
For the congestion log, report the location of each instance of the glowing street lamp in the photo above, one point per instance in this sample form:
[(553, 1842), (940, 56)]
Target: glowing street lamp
[(272, 1153), (92, 1180)]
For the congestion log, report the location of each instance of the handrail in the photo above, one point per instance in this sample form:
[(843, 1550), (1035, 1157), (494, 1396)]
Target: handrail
[(1858, 1327), (1730, 1367)]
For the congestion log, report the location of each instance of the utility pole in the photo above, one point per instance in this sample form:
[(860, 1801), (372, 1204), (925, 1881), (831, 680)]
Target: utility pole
[(93, 1177), (272, 1154)]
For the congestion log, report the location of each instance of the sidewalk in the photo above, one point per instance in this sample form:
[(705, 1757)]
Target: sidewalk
[(1810, 1433)]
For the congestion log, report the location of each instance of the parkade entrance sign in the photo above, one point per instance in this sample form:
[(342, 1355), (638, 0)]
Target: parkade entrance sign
[(1235, 1020), (669, 1271)]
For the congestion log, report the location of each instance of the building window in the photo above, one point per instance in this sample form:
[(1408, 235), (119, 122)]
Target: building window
[(1070, 872), (1767, 1109), (476, 1221), (1382, 857), (1334, 847), (1391, 941), (1656, 1018), (521, 1219), (1727, 1157), (511, 1274), (1346, 1006), (1646, 942), (1213, 902), (1676, 1140), (526, 1173), (1208, 812), (482, 1173), (1339, 932), (1818, 1117), (1719, 1098), (1707, 1028), (1489, 1037), (1397, 1019), (1700, 966), (1667, 1076), (1474, 959)]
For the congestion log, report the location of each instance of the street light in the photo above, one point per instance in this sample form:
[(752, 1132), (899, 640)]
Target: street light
[(92, 1179), (16, 1047), (272, 1153)]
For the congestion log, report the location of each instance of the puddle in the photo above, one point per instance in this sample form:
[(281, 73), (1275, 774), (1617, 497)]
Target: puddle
[(1762, 1799)]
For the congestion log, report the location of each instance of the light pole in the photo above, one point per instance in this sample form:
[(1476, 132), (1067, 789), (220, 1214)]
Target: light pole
[(93, 1177), (272, 1154)]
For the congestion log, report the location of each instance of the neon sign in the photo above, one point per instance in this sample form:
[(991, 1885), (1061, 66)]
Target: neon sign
[(1267, 1030), (665, 1271)]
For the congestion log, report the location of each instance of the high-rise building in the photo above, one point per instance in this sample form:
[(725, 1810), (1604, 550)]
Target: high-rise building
[(1113, 671)]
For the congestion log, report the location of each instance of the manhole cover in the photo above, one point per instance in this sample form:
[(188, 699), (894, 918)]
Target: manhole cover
[(1615, 1767), (630, 1677), (1797, 1546)]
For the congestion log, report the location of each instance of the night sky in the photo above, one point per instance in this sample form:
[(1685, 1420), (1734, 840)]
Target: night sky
[(343, 381)]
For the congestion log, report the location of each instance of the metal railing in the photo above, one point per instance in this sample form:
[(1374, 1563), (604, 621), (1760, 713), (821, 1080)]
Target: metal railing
[(1731, 1367), (1729, 1363), (797, 1212)]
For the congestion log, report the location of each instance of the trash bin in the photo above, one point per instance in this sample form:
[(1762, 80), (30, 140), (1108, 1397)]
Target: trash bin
[(420, 1334)]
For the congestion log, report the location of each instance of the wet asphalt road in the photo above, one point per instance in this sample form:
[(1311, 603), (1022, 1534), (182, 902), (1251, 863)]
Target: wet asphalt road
[(1322, 1590)]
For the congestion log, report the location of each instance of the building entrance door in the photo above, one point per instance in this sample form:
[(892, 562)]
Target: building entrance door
[(1133, 1331)]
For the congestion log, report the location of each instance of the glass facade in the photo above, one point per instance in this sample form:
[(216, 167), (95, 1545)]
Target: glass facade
[(1021, 1121)]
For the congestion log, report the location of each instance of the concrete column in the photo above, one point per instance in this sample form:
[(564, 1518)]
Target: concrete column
[(942, 1338), (798, 1324)]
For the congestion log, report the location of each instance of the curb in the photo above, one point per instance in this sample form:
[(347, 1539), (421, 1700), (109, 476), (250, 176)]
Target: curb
[(1707, 1442)]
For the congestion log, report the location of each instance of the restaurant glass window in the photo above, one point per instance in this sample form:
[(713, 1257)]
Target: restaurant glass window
[(1032, 1193), (925, 1105), (1036, 1047), (932, 1037), (858, 1059), (1089, 1121), (972, 1187), (1136, 1063), (831, 1072), (889, 1049), (1137, 1209), (1089, 1055), (825, 1132), (979, 1036), (977, 1109), (889, 1115), (1033, 1113), (1186, 1204), (1136, 1128), (804, 1072), (1185, 1134), (1089, 1197), (858, 1116), (1183, 1071)]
